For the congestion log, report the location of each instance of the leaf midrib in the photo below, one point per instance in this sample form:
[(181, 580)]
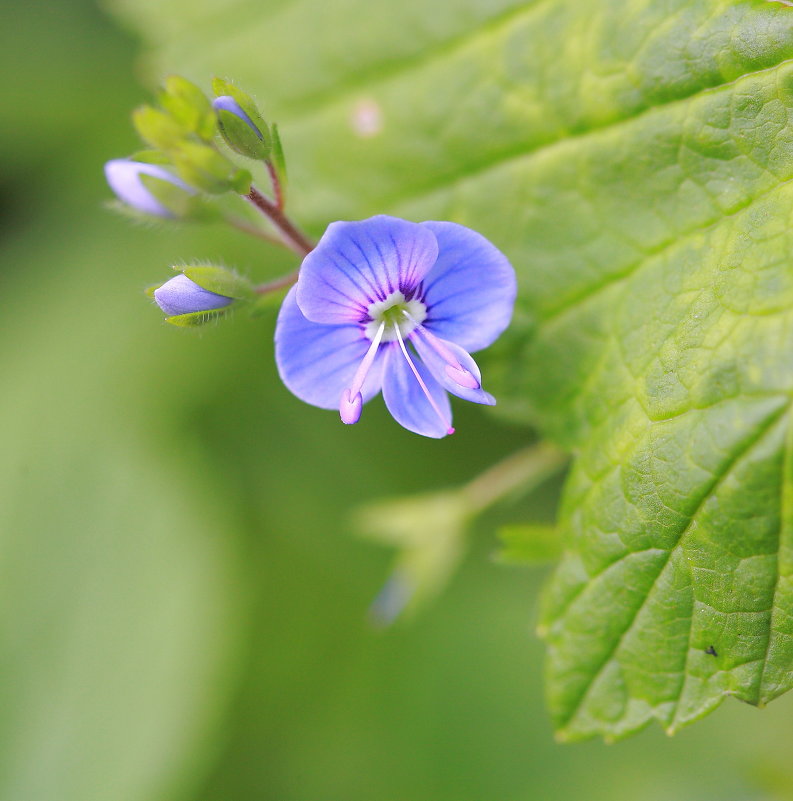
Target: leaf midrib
[(742, 451)]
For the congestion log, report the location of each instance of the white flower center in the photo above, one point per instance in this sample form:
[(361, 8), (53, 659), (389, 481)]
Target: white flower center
[(395, 311)]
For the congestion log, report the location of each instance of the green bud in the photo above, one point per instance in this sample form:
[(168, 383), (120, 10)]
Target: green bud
[(189, 107), (239, 135), (158, 129), (203, 167), (246, 103)]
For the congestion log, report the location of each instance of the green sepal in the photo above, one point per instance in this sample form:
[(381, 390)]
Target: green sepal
[(203, 167), (150, 157), (157, 128), (278, 160), (219, 280), (150, 290), (246, 103), (189, 107), (196, 319), (530, 544), (240, 137), (182, 204)]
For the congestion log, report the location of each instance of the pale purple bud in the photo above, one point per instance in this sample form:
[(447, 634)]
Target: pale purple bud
[(124, 178), (228, 103), (180, 295)]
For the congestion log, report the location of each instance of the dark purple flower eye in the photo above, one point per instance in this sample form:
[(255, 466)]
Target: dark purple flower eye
[(394, 306)]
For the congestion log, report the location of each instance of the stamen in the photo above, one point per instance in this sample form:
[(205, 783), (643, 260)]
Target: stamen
[(454, 370), (447, 423), (351, 401)]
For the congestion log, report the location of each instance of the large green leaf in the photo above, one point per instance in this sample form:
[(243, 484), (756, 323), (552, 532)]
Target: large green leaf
[(632, 157)]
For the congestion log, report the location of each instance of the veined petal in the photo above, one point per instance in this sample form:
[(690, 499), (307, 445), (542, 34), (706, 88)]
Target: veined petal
[(356, 264), (470, 292), (317, 362), (437, 366), (406, 400)]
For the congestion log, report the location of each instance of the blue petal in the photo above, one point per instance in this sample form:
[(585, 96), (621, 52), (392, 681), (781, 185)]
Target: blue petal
[(180, 295), (123, 177), (437, 366), (317, 362), (470, 292), (406, 400), (358, 263)]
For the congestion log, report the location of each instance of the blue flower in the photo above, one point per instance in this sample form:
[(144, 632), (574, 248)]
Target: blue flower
[(386, 304), (180, 295)]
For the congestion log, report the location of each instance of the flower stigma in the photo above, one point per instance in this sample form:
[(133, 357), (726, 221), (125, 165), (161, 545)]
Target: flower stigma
[(396, 313)]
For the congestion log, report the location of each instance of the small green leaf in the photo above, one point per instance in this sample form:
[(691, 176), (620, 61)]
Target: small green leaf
[(278, 159)]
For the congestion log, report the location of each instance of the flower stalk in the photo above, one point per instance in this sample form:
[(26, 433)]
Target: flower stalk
[(291, 235)]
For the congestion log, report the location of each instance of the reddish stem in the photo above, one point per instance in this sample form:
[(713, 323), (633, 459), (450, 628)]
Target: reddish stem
[(296, 240), (278, 283), (276, 183)]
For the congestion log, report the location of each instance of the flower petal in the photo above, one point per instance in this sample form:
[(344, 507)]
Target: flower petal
[(180, 295), (317, 362), (470, 292), (123, 177), (406, 400), (358, 263), (437, 366)]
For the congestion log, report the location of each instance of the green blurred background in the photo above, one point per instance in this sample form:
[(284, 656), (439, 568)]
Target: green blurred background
[(184, 601)]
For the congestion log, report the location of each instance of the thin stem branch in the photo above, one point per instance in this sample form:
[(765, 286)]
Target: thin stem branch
[(252, 230), (278, 191), (524, 470), (276, 284), (292, 236)]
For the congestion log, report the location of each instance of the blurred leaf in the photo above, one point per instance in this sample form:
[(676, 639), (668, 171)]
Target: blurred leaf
[(530, 544), (633, 160), (158, 129)]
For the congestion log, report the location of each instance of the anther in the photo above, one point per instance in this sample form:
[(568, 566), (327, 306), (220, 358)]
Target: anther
[(454, 370), (351, 400)]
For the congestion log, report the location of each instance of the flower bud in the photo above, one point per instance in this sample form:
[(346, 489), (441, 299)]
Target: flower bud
[(181, 296), (239, 131), (126, 179)]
